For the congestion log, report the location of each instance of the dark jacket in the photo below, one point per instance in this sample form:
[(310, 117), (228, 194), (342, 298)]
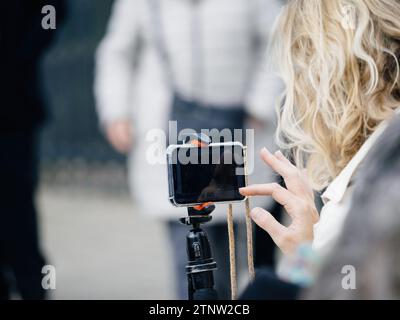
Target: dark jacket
[(22, 43)]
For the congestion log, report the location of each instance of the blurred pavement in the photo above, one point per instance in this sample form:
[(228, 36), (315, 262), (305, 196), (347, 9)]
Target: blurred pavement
[(101, 248)]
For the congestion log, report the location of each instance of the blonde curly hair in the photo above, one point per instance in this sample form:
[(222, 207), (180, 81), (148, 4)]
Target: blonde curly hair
[(339, 60)]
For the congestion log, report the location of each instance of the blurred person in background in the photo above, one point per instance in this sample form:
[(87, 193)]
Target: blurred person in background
[(340, 63), (23, 42), (197, 62)]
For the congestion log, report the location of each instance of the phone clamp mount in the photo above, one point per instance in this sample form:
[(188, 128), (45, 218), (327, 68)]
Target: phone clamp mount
[(201, 265)]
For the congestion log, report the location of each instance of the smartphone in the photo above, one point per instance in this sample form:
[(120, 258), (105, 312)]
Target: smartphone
[(208, 174)]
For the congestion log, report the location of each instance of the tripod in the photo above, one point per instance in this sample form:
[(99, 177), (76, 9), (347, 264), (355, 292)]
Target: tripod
[(201, 265)]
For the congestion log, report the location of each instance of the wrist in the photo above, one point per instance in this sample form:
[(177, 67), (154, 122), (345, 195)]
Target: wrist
[(301, 267)]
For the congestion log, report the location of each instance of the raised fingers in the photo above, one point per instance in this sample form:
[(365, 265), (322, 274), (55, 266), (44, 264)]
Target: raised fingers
[(280, 194), (267, 222), (275, 163), (279, 163), (281, 157)]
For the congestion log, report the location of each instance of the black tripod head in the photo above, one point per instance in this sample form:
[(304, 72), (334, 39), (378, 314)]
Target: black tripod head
[(197, 217), (200, 265)]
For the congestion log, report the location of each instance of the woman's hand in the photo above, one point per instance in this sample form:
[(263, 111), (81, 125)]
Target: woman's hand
[(297, 199)]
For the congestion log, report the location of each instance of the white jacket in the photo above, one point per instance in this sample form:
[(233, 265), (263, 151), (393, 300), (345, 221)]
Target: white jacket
[(226, 53)]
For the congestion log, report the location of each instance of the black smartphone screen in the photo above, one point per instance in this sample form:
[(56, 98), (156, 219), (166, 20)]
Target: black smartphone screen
[(210, 174)]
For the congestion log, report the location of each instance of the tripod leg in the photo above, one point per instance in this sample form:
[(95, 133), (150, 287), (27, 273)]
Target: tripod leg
[(190, 287)]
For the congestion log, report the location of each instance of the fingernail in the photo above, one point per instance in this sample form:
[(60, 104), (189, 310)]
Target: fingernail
[(266, 150), (256, 213), (279, 154)]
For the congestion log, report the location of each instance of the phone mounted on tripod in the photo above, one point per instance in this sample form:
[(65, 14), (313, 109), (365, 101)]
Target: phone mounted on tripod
[(198, 185)]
